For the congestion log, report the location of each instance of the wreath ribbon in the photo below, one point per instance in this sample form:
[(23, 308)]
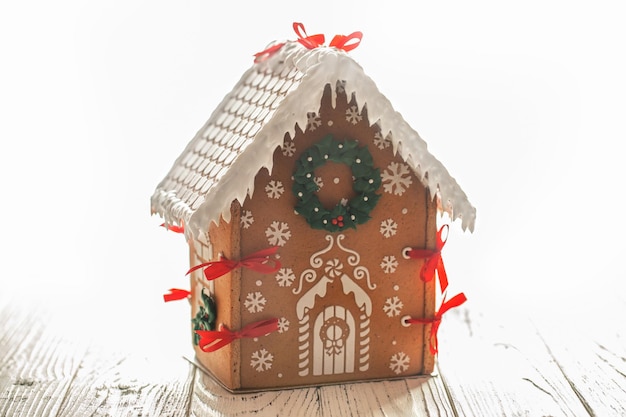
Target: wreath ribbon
[(433, 260), (212, 340), (455, 301), (260, 261), (343, 42)]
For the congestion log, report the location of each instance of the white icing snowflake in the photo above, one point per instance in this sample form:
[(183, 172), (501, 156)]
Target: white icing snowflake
[(396, 178), (380, 141), (278, 233), (274, 189), (388, 228), (285, 277), (399, 362), (313, 121), (246, 219), (255, 302), (389, 264), (319, 182), (393, 306), (333, 268), (289, 148), (353, 116), (283, 325), (261, 360)]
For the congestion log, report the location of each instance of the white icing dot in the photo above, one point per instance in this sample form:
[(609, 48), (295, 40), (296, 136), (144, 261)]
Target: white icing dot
[(394, 343), (325, 221), (340, 146), (396, 287), (365, 198), (325, 156), (336, 180), (280, 375), (256, 339), (330, 123), (259, 283), (405, 211), (310, 158), (371, 181), (308, 175), (316, 209), (300, 194), (358, 160), (353, 217)]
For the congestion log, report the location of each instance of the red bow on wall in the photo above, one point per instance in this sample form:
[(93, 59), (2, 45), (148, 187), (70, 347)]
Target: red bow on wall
[(343, 42), (176, 294), (174, 228), (433, 260), (455, 301), (260, 261), (212, 340)]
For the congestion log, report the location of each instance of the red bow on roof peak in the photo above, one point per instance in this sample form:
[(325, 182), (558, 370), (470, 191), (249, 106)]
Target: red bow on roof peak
[(344, 42)]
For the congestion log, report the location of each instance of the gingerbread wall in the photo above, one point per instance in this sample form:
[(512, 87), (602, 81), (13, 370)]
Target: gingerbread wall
[(339, 296), (222, 239)]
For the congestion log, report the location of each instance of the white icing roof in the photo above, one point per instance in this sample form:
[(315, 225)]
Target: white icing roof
[(220, 163)]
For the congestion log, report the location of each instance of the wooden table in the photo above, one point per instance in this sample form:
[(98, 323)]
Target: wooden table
[(82, 360)]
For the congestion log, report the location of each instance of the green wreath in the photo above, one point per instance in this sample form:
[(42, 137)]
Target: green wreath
[(205, 317), (366, 181)]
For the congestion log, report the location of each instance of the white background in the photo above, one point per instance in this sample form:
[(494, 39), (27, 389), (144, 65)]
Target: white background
[(523, 103)]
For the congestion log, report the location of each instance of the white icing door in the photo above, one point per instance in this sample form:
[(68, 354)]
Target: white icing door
[(334, 341)]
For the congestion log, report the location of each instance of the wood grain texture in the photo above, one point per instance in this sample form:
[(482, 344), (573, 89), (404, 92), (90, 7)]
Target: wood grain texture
[(416, 396), (502, 369), (37, 364), (490, 364), (590, 351), (119, 384)]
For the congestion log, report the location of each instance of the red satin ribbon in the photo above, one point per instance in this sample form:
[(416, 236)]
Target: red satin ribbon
[(176, 294), (455, 301), (309, 42), (343, 42), (171, 227), (212, 340), (434, 261), (347, 43), (260, 261)]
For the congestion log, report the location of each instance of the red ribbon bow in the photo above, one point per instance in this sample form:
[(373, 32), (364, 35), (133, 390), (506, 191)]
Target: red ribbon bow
[(176, 294), (455, 301), (434, 261), (212, 340), (259, 261), (173, 228), (343, 42)]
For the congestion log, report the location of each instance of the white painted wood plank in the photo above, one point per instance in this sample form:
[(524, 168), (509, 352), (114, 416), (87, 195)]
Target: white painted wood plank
[(416, 396), (495, 364), (37, 366), (51, 365), (126, 384), (589, 347)]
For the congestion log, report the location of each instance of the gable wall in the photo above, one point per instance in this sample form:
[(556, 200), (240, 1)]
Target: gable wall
[(405, 206)]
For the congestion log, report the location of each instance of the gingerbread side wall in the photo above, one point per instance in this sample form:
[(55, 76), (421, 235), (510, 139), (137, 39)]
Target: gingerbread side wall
[(223, 239), (430, 287)]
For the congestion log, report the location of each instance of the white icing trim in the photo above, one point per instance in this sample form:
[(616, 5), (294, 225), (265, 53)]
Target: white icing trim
[(322, 66)]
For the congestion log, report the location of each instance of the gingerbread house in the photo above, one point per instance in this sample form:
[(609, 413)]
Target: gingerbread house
[(311, 210)]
